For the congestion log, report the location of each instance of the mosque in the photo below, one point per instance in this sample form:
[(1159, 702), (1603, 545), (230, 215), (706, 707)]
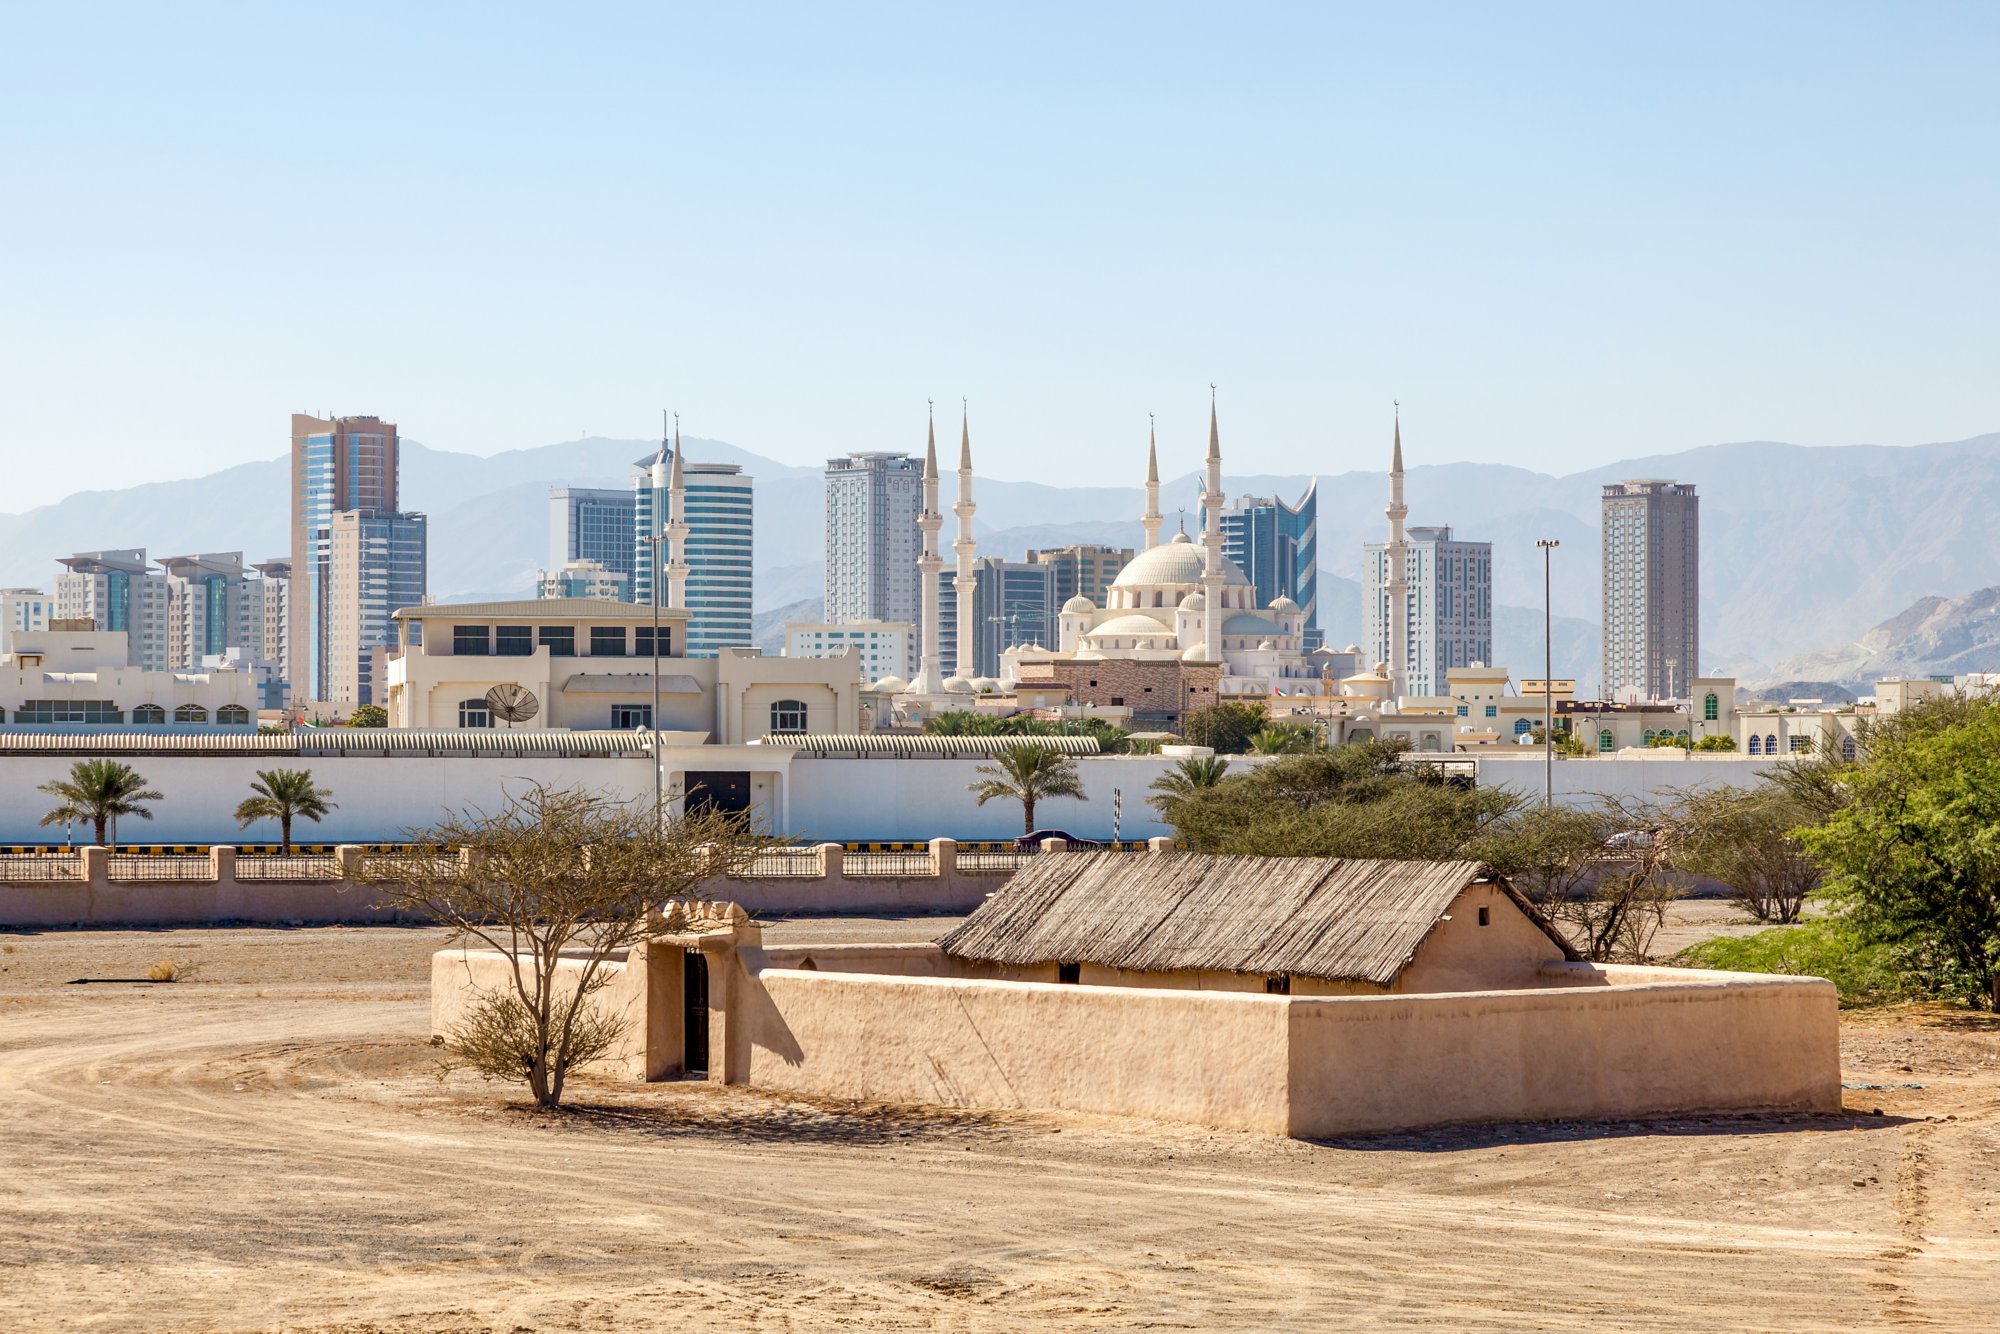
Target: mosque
[(1178, 599)]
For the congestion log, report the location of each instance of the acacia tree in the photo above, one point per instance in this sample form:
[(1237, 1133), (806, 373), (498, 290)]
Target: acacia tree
[(1028, 773), (1744, 839), (98, 791), (1909, 852), (284, 795), (561, 881)]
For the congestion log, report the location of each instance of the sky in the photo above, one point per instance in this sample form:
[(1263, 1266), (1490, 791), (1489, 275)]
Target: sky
[(1558, 235)]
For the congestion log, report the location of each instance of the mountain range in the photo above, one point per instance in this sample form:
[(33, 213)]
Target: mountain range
[(1801, 545)]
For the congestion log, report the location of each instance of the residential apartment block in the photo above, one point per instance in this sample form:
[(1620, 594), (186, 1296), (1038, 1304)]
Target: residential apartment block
[(872, 542), (1450, 601), (585, 579), (718, 509), (23, 609), (119, 592), (1652, 589), (1082, 569), (882, 647), (347, 465)]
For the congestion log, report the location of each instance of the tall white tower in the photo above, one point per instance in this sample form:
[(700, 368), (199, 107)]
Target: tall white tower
[(1211, 541), (677, 527), (964, 583), (930, 678), (1150, 521), (1397, 585)]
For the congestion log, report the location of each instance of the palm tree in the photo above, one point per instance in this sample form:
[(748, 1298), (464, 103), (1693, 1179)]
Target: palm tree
[(1185, 779), (1027, 773), (283, 795), (1284, 739), (98, 791)]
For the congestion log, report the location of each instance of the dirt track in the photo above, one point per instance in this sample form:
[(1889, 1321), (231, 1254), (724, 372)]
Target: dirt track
[(266, 1147)]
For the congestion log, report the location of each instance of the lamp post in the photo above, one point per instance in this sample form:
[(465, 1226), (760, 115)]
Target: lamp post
[(653, 718), (1548, 546)]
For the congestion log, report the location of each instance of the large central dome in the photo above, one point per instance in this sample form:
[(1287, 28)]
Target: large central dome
[(1177, 563)]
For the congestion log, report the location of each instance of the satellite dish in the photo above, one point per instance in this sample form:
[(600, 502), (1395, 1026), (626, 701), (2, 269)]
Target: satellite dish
[(512, 704)]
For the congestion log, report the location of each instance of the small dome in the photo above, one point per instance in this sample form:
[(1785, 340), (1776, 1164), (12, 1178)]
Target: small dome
[(1268, 644), (891, 685), (1125, 627), (1194, 602), (984, 683), (1193, 654), (1078, 605), (1352, 648), (957, 685), (1284, 604), (1247, 624)]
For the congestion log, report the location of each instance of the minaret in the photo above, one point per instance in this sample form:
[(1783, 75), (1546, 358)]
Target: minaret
[(677, 528), (1151, 519), (1397, 585), (964, 582), (929, 679), (1211, 540), (651, 559)]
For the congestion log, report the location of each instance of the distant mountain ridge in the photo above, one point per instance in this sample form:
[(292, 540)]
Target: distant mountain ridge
[(1797, 541), (1933, 636)]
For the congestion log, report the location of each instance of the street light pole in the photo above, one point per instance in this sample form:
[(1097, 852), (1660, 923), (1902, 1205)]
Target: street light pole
[(1548, 546), (659, 784)]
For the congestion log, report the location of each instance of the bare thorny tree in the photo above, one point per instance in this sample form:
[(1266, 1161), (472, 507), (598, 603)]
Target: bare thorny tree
[(561, 882), (1602, 873)]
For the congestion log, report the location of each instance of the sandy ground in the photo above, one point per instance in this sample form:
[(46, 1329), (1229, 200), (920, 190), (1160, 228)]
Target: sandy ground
[(268, 1147)]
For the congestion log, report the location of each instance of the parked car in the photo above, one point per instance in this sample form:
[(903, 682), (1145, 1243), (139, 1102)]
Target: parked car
[(1630, 840), (1033, 842)]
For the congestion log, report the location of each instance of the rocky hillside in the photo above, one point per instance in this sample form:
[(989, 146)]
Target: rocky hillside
[(1934, 636)]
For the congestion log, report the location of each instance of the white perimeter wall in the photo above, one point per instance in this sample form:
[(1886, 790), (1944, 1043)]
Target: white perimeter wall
[(834, 800)]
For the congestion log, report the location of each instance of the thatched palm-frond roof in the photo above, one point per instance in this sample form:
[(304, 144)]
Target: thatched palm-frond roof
[(1337, 918)]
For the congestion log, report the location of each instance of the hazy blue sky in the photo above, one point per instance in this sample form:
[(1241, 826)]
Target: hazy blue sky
[(1560, 235)]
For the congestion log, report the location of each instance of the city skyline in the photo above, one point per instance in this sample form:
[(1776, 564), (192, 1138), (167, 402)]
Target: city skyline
[(1527, 235)]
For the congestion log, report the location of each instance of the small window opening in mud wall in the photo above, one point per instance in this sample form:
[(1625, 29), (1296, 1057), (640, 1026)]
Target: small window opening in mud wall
[(1069, 972), (1278, 986), (1486, 917)]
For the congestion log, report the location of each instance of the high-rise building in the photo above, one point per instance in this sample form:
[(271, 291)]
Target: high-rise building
[(1014, 603), (1450, 606), (1652, 588), (1277, 547), (872, 539), (1082, 569), (586, 579), (274, 613), (705, 513), (23, 611), (213, 605), (343, 463), (118, 591), (376, 565), (592, 524)]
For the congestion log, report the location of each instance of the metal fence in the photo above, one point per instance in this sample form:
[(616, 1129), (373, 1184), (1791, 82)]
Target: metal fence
[(440, 864), (40, 868), (125, 866), (309, 866), (888, 863), (778, 863), (993, 863)]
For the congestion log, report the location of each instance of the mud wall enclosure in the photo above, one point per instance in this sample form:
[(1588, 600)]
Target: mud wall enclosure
[(905, 1023)]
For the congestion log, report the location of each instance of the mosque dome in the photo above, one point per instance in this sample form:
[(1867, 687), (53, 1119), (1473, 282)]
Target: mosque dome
[(1130, 626), (1194, 602), (1284, 604), (984, 683), (957, 685), (1078, 605), (1247, 624), (891, 685), (1178, 561), (1193, 654)]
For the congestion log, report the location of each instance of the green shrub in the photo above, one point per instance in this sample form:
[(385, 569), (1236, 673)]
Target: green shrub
[(1864, 973)]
